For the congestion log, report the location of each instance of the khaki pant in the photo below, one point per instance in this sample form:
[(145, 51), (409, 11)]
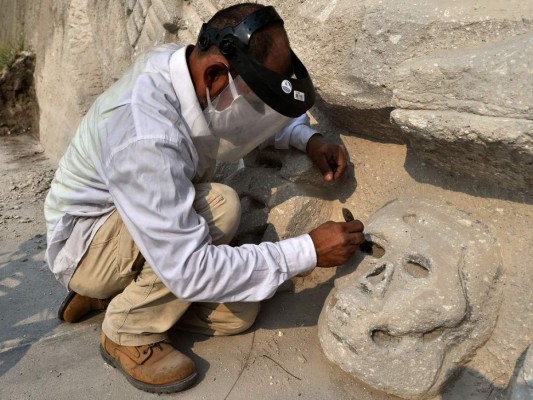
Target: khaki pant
[(143, 309)]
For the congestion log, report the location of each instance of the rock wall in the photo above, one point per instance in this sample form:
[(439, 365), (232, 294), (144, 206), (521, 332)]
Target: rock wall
[(82, 47), (453, 74)]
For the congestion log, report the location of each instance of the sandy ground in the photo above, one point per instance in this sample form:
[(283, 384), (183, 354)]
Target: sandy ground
[(280, 357)]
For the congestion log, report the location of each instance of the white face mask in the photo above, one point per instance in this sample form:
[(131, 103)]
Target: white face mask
[(240, 121)]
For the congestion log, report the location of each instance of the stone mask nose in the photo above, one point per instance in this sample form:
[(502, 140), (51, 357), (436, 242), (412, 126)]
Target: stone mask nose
[(410, 266), (377, 280)]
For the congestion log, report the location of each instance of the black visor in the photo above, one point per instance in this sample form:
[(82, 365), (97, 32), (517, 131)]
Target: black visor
[(290, 96)]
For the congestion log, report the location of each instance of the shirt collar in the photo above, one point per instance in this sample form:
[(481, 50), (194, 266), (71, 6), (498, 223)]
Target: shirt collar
[(184, 88)]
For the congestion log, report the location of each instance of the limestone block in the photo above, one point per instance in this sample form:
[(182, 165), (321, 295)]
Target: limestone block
[(481, 126), (486, 80), (68, 78), (494, 149), (354, 48), (522, 386), (418, 307)]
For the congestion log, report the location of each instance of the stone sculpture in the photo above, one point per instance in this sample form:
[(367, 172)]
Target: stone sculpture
[(420, 305)]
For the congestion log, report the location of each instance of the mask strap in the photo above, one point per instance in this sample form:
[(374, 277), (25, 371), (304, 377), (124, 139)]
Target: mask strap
[(208, 98), (232, 86)]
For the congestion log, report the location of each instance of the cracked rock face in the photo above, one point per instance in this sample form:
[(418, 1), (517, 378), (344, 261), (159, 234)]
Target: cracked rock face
[(420, 303)]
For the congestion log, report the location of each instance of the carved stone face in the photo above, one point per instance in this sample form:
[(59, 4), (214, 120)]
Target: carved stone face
[(420, 304)]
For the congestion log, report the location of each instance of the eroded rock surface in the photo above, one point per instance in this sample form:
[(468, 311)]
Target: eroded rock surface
[(469, 109), (419, 307), (494, 149)]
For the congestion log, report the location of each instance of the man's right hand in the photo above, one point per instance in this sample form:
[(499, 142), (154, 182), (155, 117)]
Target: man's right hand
[(336, 242)]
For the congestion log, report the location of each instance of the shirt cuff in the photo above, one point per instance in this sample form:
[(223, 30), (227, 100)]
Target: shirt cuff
[(300, 254), (301, 135)]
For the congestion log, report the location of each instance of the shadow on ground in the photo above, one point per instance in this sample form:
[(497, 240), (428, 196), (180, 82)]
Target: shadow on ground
[(28, 300)]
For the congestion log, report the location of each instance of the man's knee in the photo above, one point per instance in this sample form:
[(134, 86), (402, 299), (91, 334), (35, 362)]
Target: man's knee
[(219, 319), (243, 316), (231, 204), (221, 208)]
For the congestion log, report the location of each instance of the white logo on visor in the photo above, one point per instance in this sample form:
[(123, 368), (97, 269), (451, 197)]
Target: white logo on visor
[(286, 86)]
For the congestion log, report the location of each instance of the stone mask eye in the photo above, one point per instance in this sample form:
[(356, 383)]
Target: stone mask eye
[(417, 267), (372, 249)]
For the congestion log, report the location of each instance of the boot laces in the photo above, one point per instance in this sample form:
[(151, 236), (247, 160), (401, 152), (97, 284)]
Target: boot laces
[(153, 345)]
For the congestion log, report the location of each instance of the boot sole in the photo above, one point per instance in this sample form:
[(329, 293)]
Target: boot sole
[(65, 304), (147, 387)]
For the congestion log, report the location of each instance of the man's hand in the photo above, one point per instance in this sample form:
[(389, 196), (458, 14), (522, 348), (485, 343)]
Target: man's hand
[(330, 158), (336, 242)]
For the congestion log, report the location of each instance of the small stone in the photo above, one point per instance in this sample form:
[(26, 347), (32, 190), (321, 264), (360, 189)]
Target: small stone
[(301, 359), (280, 333)]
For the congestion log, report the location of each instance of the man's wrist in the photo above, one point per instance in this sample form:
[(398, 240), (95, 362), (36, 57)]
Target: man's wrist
[(316, 135)]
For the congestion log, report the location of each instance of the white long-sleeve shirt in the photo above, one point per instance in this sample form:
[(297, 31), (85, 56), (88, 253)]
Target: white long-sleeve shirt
[(133, 152)]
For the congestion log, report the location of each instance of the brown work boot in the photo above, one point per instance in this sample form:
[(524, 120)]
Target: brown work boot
[(75, 307), (156, 367)]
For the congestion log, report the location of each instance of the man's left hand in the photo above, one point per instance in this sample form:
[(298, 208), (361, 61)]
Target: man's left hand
[(329, 157)]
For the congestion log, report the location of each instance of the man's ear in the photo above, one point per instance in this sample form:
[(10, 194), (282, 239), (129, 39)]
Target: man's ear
[(216, 77)]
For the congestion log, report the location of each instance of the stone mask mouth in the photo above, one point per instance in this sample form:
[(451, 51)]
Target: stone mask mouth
[(383, 337)]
